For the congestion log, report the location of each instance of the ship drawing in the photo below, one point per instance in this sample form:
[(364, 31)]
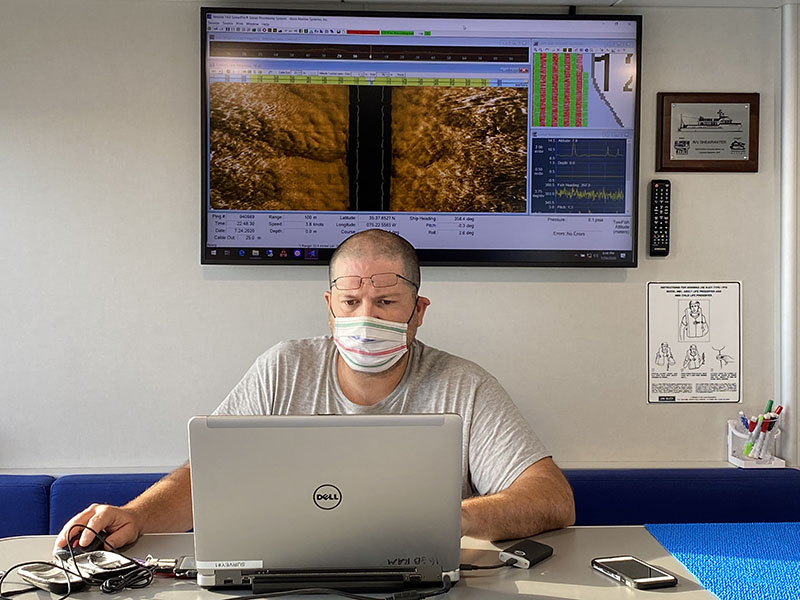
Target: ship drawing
[(721, 122)]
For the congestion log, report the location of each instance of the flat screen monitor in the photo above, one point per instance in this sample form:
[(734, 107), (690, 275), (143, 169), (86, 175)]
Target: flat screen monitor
[(481, 139)]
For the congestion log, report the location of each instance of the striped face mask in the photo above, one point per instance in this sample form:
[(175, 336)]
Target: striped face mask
[(368, 344)]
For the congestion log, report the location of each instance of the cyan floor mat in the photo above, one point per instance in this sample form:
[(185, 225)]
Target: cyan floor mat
[(738, 561)]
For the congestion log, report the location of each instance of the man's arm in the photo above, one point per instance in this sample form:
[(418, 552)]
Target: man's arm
[(540, 499), (166, 506)]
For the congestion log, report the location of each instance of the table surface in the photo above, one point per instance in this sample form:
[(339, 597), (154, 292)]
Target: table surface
[(565, 575)]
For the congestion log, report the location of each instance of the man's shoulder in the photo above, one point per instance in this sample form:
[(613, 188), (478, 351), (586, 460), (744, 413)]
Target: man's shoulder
[(432, 358), (313, 347)]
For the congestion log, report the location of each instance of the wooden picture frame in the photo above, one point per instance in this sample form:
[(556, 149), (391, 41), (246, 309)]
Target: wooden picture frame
[(698, 131)]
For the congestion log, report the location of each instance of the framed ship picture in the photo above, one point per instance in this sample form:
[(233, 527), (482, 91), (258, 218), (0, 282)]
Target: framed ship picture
[(707, 132)]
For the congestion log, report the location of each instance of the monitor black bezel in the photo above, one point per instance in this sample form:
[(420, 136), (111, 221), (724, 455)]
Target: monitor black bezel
[(427, 257)]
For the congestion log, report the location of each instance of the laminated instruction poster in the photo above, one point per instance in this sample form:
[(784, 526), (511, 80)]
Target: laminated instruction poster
[(694, 342)]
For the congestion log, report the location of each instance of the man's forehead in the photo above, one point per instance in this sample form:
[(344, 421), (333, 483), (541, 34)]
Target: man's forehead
[(366, 266)]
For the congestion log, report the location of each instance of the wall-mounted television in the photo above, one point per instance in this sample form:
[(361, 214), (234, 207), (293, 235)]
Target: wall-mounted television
[(482, 139)]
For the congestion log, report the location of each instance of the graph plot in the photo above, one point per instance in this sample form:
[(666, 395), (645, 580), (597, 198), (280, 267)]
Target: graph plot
[(578, 176)]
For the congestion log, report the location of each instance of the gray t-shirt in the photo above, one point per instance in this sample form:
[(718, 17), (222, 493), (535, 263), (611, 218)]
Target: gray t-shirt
[(298, 377)]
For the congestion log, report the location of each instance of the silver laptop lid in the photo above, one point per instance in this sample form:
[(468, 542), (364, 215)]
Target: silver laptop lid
[(338, 491)]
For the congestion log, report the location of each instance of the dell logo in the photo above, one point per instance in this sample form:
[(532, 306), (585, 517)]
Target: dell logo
[(327, 496)]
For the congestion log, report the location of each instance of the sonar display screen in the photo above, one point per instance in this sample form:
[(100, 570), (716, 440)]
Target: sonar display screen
[(481, 139)]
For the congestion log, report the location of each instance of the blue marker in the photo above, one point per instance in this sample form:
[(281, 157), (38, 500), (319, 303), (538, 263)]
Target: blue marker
[(743, 419)]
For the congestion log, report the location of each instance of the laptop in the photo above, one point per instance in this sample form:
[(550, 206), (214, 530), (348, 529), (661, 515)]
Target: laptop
[(351, 502)]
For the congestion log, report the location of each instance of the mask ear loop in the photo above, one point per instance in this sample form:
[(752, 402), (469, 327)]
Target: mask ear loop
[(330, 304), (413, 310)]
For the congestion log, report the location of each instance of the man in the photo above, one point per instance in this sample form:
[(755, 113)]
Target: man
[(694, 360), (664, 356), (373, 363), (693, 323)]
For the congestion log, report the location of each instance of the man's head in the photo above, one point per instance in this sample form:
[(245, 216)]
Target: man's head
[(362, 257), (377, 243)]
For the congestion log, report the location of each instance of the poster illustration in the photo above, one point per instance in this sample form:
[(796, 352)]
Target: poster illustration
[(694, 343)]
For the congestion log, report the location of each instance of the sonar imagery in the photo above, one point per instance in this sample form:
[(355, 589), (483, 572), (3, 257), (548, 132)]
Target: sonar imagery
[(278, 147), (458, 149)]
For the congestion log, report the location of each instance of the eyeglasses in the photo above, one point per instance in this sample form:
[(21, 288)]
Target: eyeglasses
[(379, 280)]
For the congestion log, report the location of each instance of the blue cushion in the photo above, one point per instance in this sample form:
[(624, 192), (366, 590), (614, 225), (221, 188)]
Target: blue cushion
[(723, 495), (70, 494), (25, 502)]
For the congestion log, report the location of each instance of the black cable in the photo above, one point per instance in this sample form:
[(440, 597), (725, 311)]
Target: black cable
[(509, 563), (136, 579), (446, 587), (139, 577), (33, 588)]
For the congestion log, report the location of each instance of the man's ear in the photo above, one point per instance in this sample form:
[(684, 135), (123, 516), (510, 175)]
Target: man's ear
[(327, 296), (419, 310)]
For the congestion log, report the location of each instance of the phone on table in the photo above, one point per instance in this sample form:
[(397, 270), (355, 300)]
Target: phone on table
[(634, 572)]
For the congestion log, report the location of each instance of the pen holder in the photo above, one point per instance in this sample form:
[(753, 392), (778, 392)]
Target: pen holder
[(736, 442)]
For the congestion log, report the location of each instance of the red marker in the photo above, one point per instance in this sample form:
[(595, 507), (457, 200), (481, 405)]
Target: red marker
[(766, 449), (759, 446)]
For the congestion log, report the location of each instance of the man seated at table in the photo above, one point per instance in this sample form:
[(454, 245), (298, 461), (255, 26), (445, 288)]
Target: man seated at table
[(373, 363)]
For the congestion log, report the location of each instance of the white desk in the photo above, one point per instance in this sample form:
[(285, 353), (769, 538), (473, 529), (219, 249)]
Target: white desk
[(567, 575)]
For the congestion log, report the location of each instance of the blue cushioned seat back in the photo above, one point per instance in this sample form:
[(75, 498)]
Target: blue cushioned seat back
[(24, 504), (70, 494), (639, 496)]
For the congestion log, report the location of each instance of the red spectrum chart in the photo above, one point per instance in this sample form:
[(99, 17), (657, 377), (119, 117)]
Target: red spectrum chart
[(561, 100)]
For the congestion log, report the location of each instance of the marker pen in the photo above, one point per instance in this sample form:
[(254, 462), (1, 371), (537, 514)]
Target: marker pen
[(751, 425), (754, 431), (743, 419), (766, 451), (762, 451), (756, 451), (768, 408)]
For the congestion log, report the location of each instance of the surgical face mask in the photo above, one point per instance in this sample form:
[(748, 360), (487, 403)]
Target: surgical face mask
[(368, 344)]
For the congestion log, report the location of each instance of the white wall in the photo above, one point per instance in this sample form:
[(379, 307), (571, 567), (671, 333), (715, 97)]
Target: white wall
[(112, 334)]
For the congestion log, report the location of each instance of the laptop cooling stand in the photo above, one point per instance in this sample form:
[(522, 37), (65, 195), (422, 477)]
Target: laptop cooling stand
[(390, 579)]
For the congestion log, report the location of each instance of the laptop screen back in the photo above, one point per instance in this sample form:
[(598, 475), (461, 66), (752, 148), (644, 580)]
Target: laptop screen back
[(338, 491)]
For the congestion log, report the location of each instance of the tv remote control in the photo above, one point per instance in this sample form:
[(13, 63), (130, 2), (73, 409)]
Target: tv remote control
[(659, 217)]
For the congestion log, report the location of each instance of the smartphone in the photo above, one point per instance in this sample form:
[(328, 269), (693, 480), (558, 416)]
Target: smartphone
[(634, 572)]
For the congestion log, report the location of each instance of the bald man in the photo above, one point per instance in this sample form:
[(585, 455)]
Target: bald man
[(373, 364)]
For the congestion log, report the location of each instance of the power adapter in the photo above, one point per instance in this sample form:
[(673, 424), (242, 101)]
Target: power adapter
[(526, 553)]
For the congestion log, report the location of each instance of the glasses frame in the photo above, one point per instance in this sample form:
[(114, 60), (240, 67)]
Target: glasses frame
[(369, 277)]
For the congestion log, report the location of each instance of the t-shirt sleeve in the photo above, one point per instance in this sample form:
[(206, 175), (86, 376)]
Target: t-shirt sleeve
[(502, 444), (251, 395)]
